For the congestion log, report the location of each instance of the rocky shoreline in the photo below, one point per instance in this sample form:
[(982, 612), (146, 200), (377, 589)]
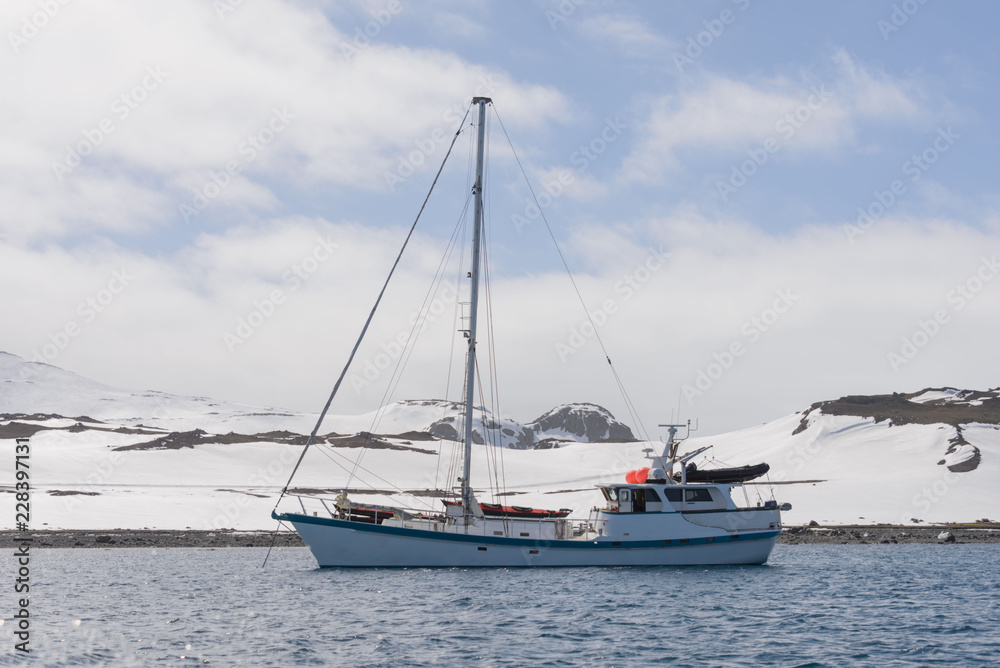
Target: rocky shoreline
[(807, 535), (150, 538), (890, 534)]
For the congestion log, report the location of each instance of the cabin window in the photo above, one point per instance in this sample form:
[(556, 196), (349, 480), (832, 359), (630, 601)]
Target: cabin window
[(652, 496), (697, 495), (690, 495), (610, 493)]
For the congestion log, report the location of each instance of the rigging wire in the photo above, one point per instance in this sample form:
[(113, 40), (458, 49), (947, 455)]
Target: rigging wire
[(329, 451), (410, 345), (438, 279), (455, 460), (451, 347), (411, 340), (633, 412), (440, 169), (491, 436), (499, 471), (371, 315), (455, 319), (435, 285), (404, 358)]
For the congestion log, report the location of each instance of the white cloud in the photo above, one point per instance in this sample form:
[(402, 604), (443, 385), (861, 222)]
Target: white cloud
[(459, 25), (874, 92), (628, 34), (569, 182), (803, 115), (854, 304), (216, 83), (357, 112)]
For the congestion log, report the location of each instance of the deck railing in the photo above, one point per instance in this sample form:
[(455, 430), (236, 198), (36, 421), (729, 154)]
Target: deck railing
[(468, 524)]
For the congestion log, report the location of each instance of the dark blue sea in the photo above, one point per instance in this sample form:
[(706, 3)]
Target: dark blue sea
[(865, 605)]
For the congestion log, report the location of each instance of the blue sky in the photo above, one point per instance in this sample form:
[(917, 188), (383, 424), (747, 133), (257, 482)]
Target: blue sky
[(611, 60), (737, 140)]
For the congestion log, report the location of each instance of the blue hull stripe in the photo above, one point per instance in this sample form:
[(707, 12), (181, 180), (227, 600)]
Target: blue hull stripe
[(523, 542)]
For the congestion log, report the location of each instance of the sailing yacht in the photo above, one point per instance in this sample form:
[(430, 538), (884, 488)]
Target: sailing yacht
[(656, 517)]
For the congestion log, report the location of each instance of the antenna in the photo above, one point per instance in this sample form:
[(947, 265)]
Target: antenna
[(669, 456)]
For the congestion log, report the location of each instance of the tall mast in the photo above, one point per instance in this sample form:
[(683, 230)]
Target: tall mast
[(470, 373)]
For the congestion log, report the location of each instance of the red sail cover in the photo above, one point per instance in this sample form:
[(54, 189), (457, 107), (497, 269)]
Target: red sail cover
[(496, 510)]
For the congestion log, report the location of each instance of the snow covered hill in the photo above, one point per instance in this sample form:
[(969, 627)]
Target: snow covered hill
[(30, 388), (104, 458), (34, 387), (929, 456)]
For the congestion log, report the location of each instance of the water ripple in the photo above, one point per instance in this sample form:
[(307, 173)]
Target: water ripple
[(900, 605)]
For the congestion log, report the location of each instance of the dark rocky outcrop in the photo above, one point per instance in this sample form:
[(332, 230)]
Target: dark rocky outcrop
[(569, 423), (189, 439), (960, 408), (19, 425), (970, 406), (968, 464), (588, 422)]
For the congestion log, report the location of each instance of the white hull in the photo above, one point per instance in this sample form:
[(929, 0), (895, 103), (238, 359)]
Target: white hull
[(339, 543)]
